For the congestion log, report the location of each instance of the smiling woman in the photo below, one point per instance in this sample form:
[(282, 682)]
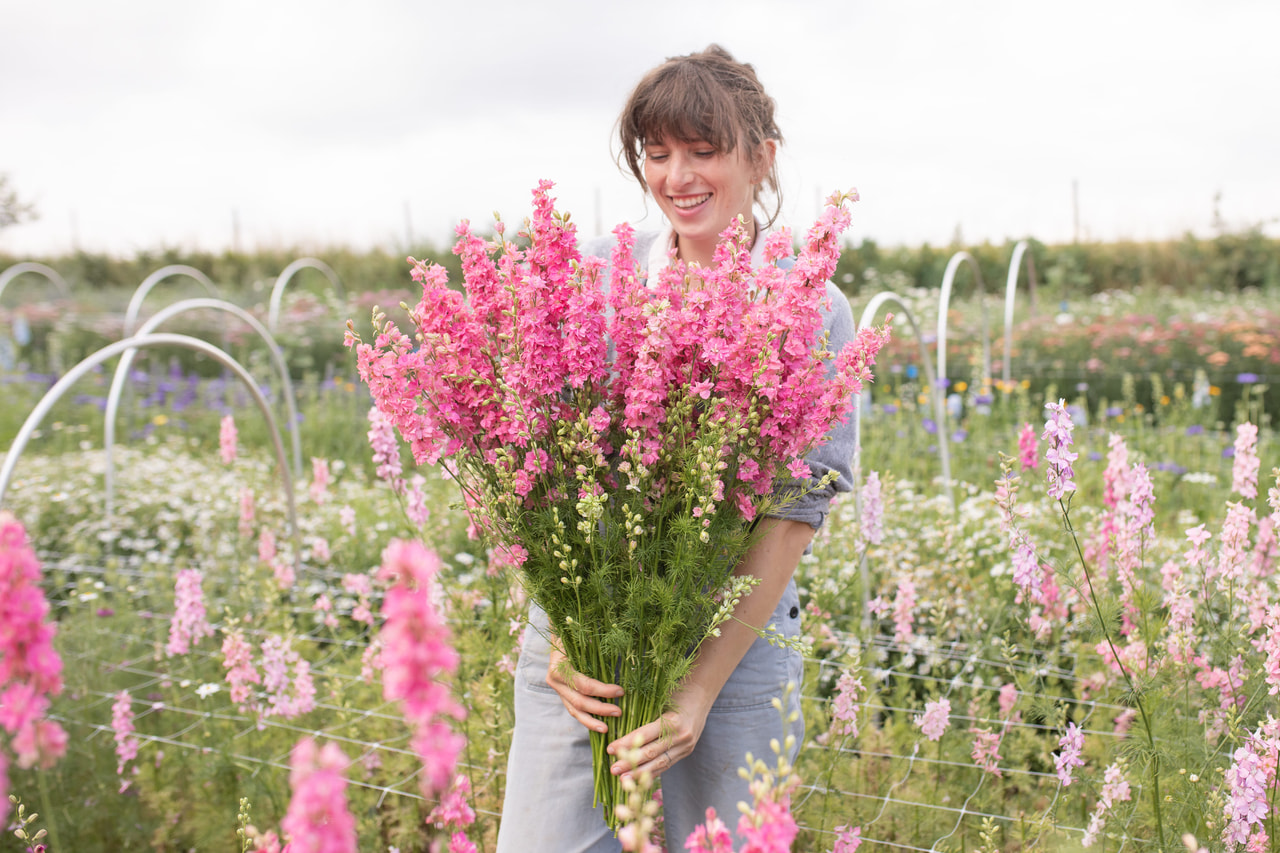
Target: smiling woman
[(698, 134)]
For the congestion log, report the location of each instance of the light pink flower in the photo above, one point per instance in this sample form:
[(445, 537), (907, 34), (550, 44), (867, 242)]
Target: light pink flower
[(1057, 432), (1244, 466), (844, 708), (872, 529), (347, 518), (935, 719), (1008, 698), (904, 604), (246, 513), (286, 697), (318, 820), (237, 658), (986, 750), (320, 478), (188, 625), (1071, 745), (227, 440), (122, 724), (848, 840)]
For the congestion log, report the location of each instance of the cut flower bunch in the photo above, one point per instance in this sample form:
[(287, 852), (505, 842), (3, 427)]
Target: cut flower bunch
[(615, 437)]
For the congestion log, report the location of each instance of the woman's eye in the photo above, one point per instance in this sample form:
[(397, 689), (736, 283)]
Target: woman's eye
[(705, 153), (657, 158)]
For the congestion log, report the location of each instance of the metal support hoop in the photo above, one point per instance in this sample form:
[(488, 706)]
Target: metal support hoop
[(59, 283), (135, 303), (944, 304), (148, 341), (277, 292), (126, 361), (868, 315), (1010, 293)]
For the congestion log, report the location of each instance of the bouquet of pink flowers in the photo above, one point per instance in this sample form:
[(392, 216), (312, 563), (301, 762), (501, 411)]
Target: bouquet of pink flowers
[(617, 437)]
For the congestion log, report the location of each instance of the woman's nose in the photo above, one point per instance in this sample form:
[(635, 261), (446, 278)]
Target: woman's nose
[(681, 170)]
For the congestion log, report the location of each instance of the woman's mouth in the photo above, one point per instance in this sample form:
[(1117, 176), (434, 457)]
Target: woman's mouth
[(687, 202)]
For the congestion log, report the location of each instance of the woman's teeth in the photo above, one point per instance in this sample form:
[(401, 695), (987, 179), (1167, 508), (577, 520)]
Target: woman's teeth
[(684, 203)]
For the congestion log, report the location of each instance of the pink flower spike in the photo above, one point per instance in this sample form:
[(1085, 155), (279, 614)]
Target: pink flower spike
[(1244, 467), (122, 724), (935, 719), (227, 440), (188, 624), (318, 819), (848, 839)]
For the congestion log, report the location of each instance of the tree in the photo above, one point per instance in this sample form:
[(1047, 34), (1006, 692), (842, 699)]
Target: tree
[(12, 209)]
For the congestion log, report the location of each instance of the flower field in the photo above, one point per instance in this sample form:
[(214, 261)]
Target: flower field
[(1084, 651)]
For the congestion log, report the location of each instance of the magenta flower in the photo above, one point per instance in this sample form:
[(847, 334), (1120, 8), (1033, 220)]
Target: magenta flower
[(188, 624), (1058, 456), (935, 719), (318, 820), (417, 658), (1028, 451), (227, 439), (710, 837)]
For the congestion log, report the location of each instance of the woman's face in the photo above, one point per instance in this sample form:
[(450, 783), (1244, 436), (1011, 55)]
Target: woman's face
[(701, 190)]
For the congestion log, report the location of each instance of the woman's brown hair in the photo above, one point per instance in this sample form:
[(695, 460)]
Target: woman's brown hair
[(703, 97)]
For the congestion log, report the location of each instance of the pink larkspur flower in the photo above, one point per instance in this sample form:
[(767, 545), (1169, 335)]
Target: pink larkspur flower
[(318, 819), (1071, 745), (188, 625), (711, 836), (844, 708), (237, 658), (986, 750), (122, 725), (1028, 450), (288, 695), (872, 529), (227, 440), (935, 719), (320, 478), (1244, 466), (246, 513), (417, 658), (1057, 433), (848, 839)]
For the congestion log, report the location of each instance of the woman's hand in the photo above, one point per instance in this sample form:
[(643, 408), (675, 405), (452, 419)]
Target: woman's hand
[(655, 747), (581, 695)]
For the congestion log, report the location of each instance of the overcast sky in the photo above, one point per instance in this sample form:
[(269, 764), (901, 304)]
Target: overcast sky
[(140, 124)]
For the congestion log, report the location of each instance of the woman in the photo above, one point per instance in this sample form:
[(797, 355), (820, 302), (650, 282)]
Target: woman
[(698, 134)]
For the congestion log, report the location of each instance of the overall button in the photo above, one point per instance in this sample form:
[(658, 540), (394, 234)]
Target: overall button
[(795, 611)]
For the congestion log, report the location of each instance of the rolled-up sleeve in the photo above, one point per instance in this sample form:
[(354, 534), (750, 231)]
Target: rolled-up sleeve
[(836, 453)]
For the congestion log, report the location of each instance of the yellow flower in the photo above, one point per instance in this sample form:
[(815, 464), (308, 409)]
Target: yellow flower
[(1164, 401), (1214, 390), (921, 399), (160, 420), (961, 387), (1026, 383)]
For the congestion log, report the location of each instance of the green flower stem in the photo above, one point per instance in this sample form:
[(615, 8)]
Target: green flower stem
[(50, 822), (1106, 632)]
